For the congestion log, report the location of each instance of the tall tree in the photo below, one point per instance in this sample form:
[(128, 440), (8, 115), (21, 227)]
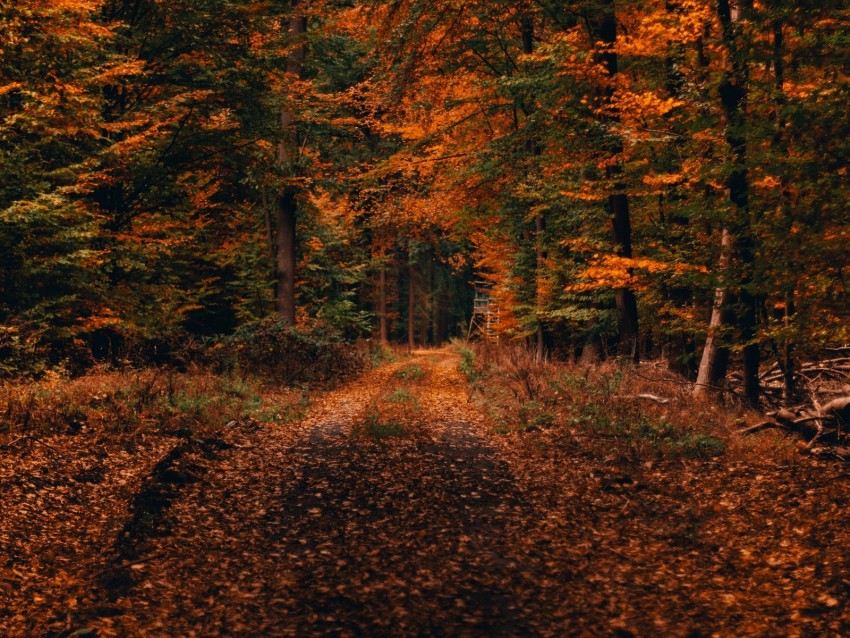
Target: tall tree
[(287, 205), (603, 23), (738, 241)]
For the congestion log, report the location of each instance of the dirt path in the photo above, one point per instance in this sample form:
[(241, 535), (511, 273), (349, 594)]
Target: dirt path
[(326, 529)]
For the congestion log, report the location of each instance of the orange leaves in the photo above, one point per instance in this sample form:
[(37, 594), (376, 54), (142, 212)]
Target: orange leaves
[(119, 71), (767, 182), (613, 271), (8, 88), (659, 181), (68, 21), (639, 105), (586, 193), (681, 22)]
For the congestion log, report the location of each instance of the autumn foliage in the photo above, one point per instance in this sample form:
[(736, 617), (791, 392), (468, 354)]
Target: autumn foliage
[(580, 162)]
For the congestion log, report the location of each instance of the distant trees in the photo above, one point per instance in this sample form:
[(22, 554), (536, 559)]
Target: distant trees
[(625, 178), (139, 140)]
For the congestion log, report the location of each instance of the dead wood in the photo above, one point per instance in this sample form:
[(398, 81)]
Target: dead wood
[(758, 427), (647, 396), (834, 413)]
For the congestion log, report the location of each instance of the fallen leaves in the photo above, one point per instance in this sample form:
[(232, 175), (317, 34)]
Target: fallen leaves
[(453, 529)]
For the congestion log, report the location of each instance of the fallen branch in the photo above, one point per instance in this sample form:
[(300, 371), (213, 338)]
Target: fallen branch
[(758, 427), (648, 397)]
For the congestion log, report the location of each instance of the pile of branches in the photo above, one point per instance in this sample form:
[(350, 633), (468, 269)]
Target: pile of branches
[(811, 377), (825, 418), (826, 423)]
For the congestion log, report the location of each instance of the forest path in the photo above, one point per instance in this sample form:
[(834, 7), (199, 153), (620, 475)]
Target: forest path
[(386, 511), (393, 508)]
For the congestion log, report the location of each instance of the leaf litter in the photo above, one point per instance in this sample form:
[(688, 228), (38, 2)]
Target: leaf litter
[(443, 527)]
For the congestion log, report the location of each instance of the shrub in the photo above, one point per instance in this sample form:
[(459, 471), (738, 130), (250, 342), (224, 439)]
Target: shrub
[(161, 401), (271, 347)]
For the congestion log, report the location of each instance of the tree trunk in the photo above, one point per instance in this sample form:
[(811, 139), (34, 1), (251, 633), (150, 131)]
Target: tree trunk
[(733, 98), (539, 219), (425, 305), (715, 355), (789, 389), (383, 333), (287, 208), (411, 309), (286, 214), (540, 228), (618, 201), (443, 319)]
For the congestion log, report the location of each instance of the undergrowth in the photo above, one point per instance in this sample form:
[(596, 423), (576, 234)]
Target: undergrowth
[(379, 427), (411, 372), (607, 403), (262, 372), (150, 400)]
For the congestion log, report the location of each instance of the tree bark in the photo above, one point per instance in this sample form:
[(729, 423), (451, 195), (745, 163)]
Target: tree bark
[(715, 355), (383, 332), (425, 304), (733, 98), (789, 388), (618, 200), (527, 27), (286, 217), (287, 207)]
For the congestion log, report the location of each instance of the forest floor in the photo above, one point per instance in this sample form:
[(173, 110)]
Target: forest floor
[(395, 508)]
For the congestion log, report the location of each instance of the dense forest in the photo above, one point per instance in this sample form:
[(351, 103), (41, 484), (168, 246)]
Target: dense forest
[(626, 179), (424, 318)]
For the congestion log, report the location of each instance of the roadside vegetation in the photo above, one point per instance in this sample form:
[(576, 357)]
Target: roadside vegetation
[(643, 412)]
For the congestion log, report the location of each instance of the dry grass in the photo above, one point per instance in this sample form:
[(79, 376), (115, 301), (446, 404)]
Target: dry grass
[(645, 411), (148, 400)]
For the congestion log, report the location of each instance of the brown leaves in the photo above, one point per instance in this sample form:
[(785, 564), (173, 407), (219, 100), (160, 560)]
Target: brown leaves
[(316, 529)]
